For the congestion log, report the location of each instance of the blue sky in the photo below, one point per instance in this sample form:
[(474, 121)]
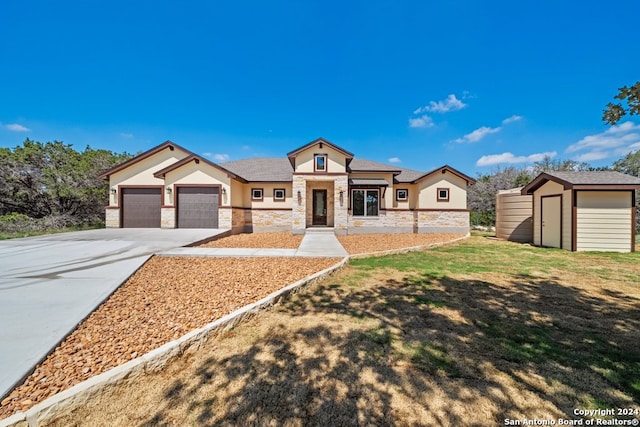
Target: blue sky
[(474, 84)]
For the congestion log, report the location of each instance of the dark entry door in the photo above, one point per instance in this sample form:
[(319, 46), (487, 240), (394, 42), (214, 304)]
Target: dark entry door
[(319, 207), (197, 207)]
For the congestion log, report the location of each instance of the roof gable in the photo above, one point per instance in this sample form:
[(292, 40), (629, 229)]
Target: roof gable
[(197, 159), (445, 169), (320, 142), (165, 145), (590, 180)]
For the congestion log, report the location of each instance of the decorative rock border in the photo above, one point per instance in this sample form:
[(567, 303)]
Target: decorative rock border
[(156, 359)]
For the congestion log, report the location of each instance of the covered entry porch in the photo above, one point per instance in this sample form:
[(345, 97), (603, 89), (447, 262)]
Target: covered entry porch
[(319, 201)]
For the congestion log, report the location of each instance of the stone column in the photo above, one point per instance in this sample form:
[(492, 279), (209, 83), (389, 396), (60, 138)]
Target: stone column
[(340, 215), (298, 213)]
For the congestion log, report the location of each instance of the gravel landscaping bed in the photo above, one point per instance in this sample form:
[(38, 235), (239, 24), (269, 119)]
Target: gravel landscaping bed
[(164, 300), (367, 243), (283, 240)]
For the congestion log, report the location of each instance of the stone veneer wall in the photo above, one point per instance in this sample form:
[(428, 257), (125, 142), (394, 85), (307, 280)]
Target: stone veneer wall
[(168, 217), (224, 218), (298, 220), (112, 218), (240, 220), (442, 221), (388, 221), (271, 220), (341, 212)]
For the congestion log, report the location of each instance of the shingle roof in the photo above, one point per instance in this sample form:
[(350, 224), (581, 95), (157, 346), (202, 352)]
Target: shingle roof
[(364, 165), (261, 169), (596, 177), (604, 180)]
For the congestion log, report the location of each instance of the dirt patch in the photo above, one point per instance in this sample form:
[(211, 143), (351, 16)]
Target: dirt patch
[(367, 243), (162, 301), (257, 240)]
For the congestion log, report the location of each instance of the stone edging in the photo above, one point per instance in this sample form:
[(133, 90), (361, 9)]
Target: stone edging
[(156, 359), (405, 250)]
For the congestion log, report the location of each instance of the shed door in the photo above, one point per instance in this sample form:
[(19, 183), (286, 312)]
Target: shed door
[(551, 222), (141, 207), (197, 207)]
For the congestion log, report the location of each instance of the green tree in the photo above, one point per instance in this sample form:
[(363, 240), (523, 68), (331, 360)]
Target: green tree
[(616, 111), (54, 180)]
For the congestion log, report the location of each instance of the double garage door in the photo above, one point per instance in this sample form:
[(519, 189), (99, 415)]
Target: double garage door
[(196, 207)]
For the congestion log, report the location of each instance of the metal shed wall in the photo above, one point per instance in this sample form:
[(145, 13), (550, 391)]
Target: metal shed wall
[(514, 216)]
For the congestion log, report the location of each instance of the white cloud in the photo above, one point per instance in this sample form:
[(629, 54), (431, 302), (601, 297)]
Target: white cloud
[(451, 103), (496, 159), (423, 121), (591, 156), (614, 137), (614, 142), (478, 134), (15, 127), (394, 160), (126, 135), (511, 119), (220, 157)]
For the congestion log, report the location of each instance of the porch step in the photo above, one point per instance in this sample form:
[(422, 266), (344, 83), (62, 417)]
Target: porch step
[(319, 230)]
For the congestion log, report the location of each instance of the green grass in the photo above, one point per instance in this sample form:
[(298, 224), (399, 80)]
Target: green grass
[(21, 234), (543, 282)]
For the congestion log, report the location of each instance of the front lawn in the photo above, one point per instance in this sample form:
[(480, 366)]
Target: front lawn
[(464, 335)]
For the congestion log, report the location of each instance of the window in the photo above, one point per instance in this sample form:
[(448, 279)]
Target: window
[(443, 194), (256, 194), (402, 194), (365, 202), (320, 163), (278, 194)]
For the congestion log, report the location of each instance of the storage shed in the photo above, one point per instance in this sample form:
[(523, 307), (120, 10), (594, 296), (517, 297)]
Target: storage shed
[(513, 215), (584, 211)]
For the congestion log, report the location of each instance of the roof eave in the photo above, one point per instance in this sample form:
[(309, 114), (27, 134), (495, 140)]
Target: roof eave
[(167, 144)]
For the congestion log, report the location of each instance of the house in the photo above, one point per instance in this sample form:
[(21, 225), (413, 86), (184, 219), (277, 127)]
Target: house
[(317, 185), (584, 211)]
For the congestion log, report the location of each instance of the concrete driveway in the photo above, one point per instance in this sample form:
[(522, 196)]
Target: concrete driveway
[(49, 284)]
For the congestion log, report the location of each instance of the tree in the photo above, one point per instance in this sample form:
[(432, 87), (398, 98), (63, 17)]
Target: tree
[(482, 195), (615, 112), (629, 164), (54, 180)]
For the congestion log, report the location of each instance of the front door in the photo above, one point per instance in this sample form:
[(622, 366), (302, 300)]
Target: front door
[(319, 207)]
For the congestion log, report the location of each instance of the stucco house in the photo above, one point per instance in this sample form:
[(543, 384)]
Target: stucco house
[(317, 185), (584, 211)]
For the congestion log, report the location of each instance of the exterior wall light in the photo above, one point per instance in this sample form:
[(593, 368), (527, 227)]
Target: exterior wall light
[(169, 189), (114, 191), (299, 197), (341, 197)]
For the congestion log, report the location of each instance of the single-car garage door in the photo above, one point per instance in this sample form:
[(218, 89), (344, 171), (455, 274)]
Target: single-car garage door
[(198, 207), (141, 207)]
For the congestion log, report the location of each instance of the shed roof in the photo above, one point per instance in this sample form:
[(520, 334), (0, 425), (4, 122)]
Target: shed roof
[(590, 180)]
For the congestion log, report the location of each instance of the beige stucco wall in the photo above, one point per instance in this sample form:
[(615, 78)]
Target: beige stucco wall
[(267, 201), (411, 203), (549, 189), (197, 174), (141, 173), (428, 187), (336, 162), (603, 221)]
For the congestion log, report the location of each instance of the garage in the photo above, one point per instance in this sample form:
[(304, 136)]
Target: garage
[(141, 207), (584, 211), (197, 206)]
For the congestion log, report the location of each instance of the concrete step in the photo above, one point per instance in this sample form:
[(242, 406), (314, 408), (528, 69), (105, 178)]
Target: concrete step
[(319, 230)]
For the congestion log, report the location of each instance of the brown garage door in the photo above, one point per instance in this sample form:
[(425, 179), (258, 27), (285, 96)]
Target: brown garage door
[(198, 207), (141, 207)]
